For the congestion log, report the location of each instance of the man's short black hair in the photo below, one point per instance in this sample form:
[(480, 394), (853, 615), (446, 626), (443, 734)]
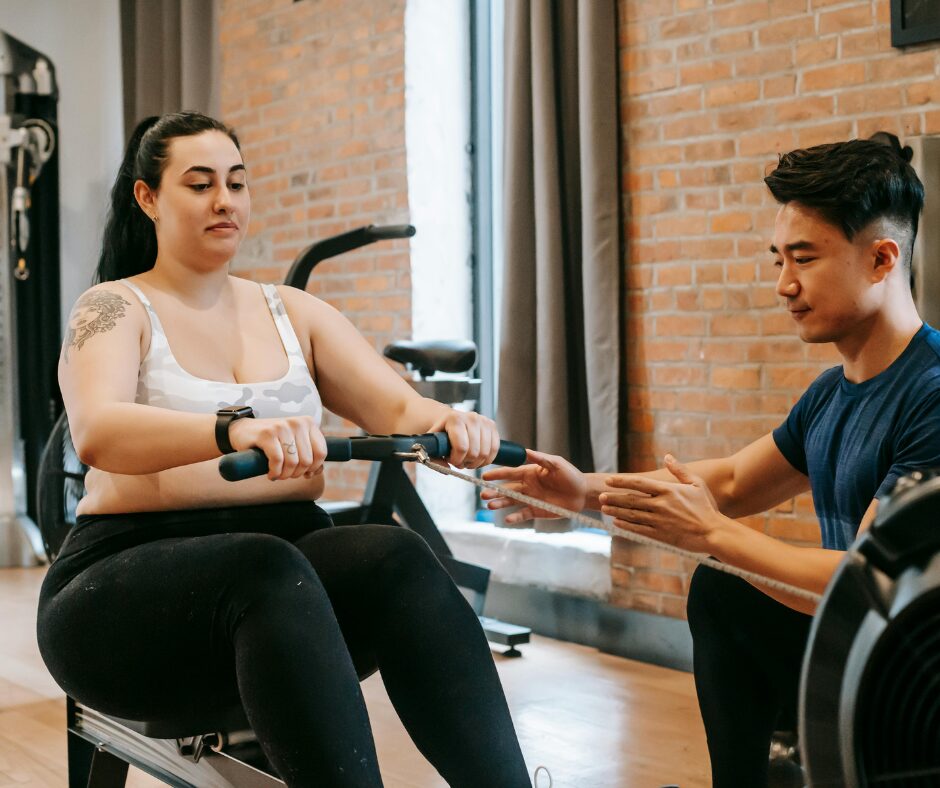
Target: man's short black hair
[(851, 184)]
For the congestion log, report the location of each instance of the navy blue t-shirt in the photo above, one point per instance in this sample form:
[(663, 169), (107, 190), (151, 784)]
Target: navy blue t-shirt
[(854, 440)]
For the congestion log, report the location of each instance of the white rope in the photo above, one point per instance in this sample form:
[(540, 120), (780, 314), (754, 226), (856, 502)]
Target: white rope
[(589, 522)]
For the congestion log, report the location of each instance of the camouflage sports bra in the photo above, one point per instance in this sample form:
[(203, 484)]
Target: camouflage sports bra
[(163, 383)]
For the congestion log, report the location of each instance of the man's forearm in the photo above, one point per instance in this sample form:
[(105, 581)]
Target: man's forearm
[(805, 567)]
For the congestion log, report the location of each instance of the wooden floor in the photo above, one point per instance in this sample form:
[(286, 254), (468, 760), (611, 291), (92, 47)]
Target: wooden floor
[(594, 720)]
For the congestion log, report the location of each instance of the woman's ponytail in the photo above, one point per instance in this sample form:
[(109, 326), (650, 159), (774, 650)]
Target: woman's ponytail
[(129, 245)]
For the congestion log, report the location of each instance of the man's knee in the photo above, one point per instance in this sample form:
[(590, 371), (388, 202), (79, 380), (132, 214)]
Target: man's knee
[(721, 602), (705, 596)]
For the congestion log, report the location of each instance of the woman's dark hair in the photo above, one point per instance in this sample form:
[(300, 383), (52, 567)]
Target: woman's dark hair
[(851, 184), (129, 245)]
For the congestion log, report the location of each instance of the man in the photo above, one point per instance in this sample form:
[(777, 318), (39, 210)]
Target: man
[(842, 242)]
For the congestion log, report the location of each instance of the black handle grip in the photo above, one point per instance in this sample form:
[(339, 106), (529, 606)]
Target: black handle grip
[(389, 231), (253, 462), (511, 454)]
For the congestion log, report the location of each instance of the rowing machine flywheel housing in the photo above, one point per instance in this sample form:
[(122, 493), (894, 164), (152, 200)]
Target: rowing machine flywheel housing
[(870, 694)]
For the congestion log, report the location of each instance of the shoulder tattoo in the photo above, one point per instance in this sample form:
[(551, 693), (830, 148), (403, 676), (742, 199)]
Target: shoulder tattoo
[(95, 313)]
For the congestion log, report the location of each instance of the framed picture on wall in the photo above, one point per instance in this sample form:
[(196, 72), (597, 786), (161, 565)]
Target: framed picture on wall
[(914, 22)]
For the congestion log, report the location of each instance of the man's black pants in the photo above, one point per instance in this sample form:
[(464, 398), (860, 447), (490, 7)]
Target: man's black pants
[(748, 651)]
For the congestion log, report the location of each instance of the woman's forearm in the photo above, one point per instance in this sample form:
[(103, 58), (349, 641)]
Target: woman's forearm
[(128, 438)]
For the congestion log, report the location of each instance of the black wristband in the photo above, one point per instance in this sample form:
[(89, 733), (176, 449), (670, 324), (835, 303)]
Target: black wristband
[(223, 420)]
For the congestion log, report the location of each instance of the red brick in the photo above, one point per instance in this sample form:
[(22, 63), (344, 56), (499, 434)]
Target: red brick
[(802, 109), (844, 19), (673, 275), (735, 377), (738, 92), (766, 61), (867, 44), (638, 59), (676, 326), (826, 132), (702, 201), (657, 582), (777, 87), (739, 14), (735, 325), (787, 31), (710, 71), (869, 99), (651, 81), (734, 222), (766, 142), (789, 377), (684, 375), (682, 26), (923, 93), (833, 77), (732, 42), (816, 51)]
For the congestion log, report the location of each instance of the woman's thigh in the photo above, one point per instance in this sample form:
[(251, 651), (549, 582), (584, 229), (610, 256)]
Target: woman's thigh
[(150, 630), (363, 569)]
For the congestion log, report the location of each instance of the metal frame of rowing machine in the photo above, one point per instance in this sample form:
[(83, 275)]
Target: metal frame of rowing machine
[(389, 491)]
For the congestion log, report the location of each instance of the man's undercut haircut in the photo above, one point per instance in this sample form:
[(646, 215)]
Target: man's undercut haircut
[(852, 184)]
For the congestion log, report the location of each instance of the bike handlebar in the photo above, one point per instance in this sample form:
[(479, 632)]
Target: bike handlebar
[(253, 462)]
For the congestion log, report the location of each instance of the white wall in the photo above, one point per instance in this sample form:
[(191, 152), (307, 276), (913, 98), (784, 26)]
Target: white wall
[(82, 39), (437, 131)]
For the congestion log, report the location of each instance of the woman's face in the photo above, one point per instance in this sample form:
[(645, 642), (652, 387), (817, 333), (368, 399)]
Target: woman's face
[(202, 206)]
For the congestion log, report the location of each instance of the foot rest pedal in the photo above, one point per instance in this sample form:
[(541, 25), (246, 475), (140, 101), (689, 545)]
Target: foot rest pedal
[(505, 634)]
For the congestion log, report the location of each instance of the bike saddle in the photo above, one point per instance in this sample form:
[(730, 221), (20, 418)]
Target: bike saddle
[(452, 355)]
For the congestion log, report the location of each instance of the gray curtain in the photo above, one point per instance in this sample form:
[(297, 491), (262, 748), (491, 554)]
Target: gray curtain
[(560, 350), (170, 56)]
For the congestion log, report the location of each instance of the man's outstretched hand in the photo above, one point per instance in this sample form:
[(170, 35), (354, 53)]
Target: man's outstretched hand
[(547, 477)]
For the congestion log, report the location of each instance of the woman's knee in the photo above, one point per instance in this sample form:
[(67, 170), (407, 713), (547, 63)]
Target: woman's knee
[(401, 549), (265, 566)]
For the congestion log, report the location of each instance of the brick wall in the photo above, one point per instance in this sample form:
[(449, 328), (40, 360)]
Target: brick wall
[(711, 91), (315, 91)]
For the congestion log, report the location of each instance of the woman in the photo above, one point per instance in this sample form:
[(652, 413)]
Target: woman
[(180, 591)]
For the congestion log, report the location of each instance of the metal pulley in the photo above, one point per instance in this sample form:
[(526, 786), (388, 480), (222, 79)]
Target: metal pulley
[(36, 145)]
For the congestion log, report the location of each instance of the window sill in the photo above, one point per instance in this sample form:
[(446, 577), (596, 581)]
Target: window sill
[(573, 562)]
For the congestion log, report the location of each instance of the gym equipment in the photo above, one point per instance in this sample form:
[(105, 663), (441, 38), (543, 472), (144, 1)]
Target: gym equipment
[(246, 464), (390, 495), (870, 690), (217, 750), (29, 305)]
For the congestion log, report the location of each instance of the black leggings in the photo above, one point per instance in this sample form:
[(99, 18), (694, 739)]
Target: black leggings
[(152, 616), (747, 654)]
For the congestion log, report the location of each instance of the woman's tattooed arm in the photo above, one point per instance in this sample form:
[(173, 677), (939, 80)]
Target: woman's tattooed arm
[(95, 313)]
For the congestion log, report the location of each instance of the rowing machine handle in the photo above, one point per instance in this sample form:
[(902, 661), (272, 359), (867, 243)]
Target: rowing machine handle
[(253, 462)]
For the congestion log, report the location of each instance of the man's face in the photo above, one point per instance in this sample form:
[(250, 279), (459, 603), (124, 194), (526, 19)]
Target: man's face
[(825, 279)]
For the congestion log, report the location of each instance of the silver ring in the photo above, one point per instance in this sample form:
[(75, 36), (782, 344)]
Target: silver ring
[(290, 448)]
